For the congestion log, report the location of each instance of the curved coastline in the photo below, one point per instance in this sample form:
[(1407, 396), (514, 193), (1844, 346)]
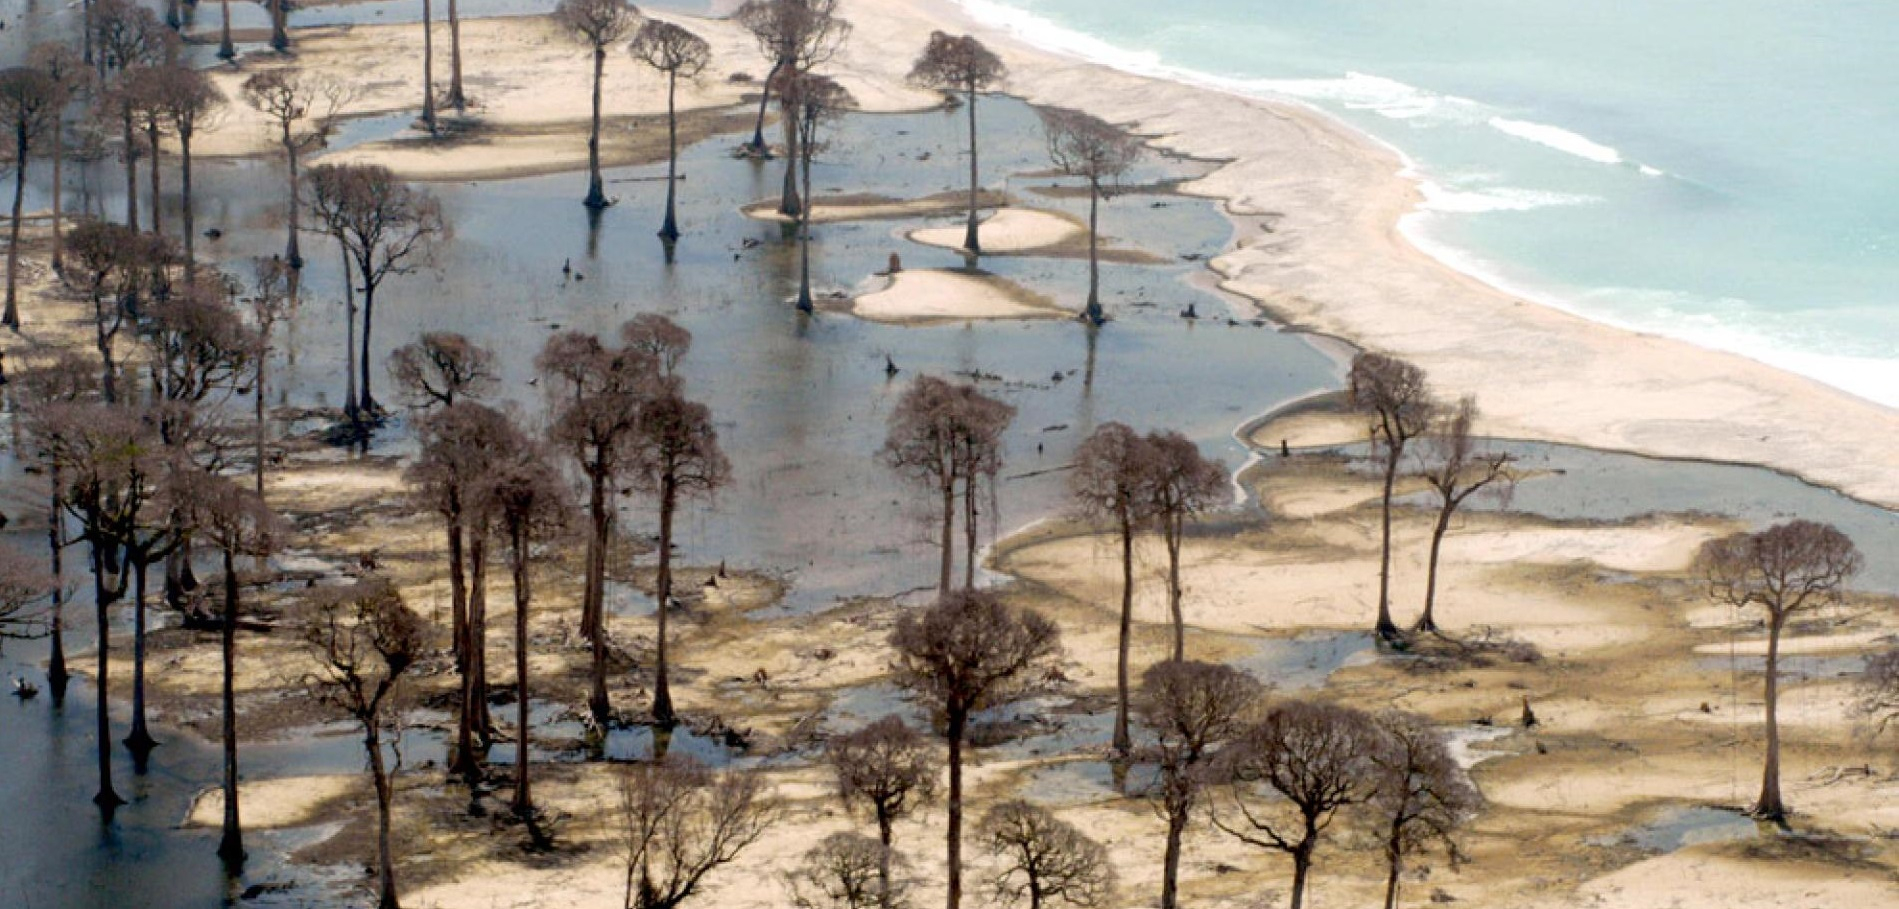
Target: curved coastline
[(1319, 211)]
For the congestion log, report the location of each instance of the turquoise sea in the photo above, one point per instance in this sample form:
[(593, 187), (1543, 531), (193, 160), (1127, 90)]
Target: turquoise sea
[(1722, 171)]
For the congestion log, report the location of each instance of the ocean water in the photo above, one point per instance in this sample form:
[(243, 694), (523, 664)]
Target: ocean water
[(1722, 171)]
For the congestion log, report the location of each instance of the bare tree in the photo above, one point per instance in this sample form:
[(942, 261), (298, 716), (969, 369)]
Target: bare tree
[(236, 521), (189, 101), (679, 54), (30, 103), (227, 50), (966, 65), (441, 367), (42, 395), (676, 457), (279, 24), (70, 76), (679, 821), (1184, 485), (364, 639), (428, 67), (1783, 570), (1394, 394), (941, 434), (818, 102), (142, 91), (1044, 858), (386, 226), (1879, 689), (887, 768), (460, 443), (272, 296), (24, 590), (114, 265), (1086, 147), (843, 871), (599, 24), (301, 107), (529, 506), (597, 395), (1450, 461), (1193, 709), (1112, 479), (457, 97), (129, 38), (1423, 795), (967, 653), (1316, 759), (796, 36)]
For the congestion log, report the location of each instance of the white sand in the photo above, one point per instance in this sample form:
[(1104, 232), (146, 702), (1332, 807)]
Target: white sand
[(1009, 231), (270, 804), (936, 295)]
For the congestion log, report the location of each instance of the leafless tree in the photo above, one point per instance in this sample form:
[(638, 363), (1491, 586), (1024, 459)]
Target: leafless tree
[(364, 639), (1112, 481), (1394, 395), (889, 769), (1456, 469), (597, 395), (796, 36), (599, 24), (142, 91), (528, 506), (429, 120), (676, 457), (279, 11), (1086, 147), (441, 367), (227, 50), (1783, 570), (24, 590), (962, 64), (385, 226), (942, 434), (843, 871), (818, 101), (70, 76), (1879, 689), (42, 396), (457, 96), (1044, 858), (1423, 796), (679, 54), (679, 821), (1193, 710), (236, 521), (1184, 485), (967, 653), (301, 107), (658, 337), (30, 104), (272, 296), (460, 443), (129, 38), (1316, 759), (114, 265)]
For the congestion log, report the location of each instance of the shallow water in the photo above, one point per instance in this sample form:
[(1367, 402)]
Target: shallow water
[(1680, 827)]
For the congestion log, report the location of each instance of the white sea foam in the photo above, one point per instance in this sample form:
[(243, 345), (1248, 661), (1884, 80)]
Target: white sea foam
[(1448, 200), (1557, 138)]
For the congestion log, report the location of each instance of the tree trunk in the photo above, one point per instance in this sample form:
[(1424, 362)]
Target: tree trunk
[(59, 167), (428, 65), (367, 407), (662, 691), (279, 25), (1175, 528), (1093, 312), (456, 98), (473, 722), (970, 485), (131, 165), (788, 203), (596, 186), (764, 103), (1387, 630), (263, 375), (107, 798), (457, 591), (884, 824), (152, 136), (385, 855), (1394, 856), (1770, 807), (349, 321), (11, 318), (971, 241), (293, 255), (108, 376), (231, 846), (670, 230), (948, 566), (184, 163), (523, 800), (957, 722), (804, 233), (1301, 866), (226, 50), (1428, 621), (593, 607), (1123, 742), (1170, 864), (139, 741), (56, 674)]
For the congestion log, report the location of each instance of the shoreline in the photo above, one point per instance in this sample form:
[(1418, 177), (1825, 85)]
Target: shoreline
[(1338, 201)]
